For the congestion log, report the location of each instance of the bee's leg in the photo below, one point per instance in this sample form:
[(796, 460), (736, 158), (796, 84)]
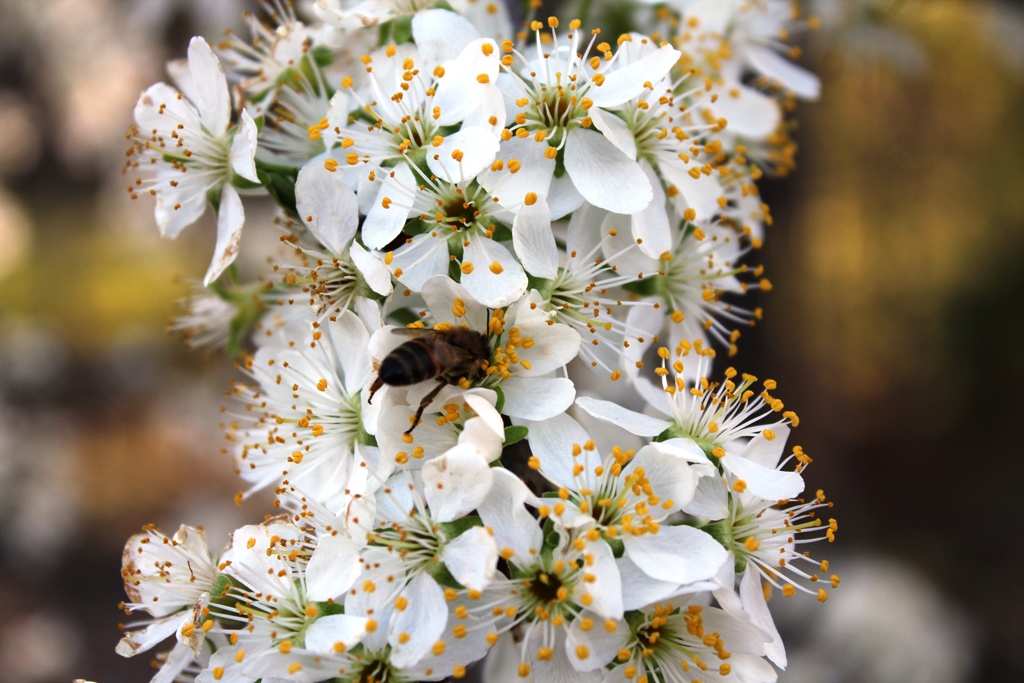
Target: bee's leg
[(426, 402), (377, 384)]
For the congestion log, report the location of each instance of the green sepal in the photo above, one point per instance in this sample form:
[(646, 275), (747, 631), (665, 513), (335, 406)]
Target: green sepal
[(443, 4), (646, 287), (499, 404), (544, 287), (329, 609), (634, 619), (552, 539), (404, 316), (439, 572), (514, 434), (213, 196), (281, 187), (617, 546), (243, 183), (453, 530), (502, 233), (401, 29), (454, 271), (383, 33), (560, 163), (220, 589), (322, 56)]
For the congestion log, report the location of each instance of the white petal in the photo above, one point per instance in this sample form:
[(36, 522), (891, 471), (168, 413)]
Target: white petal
[(793, 78), (764, 482), (210, 86), (351, 342), (650, 227), (477, 146), (764, 452), (640, 590), (752, 598), (632, 422), (711, 499), (327, 207), (554, 346), (332, 568), (441, 35), (324, 634), (551, 442), (419, 261), (373, 270), (749, 113), (504, 513), (472, 558), (563, 197), (537, 398), (389, 212), (243, 148), (141, 640), (534, 241), (616, 130), (455, 483), (482, 437), (680, 554), (622, 85), (497, 279), (230, 220), (534, 174), (422, 621), (684, 449), (605, 586), (605, 176), (700, 194), (600, 643), (175, 211), (672, 478), (440, 294)]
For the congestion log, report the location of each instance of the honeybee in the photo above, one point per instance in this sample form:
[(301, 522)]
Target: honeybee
[(444, 355)]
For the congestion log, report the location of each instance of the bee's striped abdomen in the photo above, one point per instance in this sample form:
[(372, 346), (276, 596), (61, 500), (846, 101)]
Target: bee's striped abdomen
[(410, 363)]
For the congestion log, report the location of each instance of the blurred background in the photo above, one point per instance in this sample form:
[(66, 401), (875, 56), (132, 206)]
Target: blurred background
[(897, 313)]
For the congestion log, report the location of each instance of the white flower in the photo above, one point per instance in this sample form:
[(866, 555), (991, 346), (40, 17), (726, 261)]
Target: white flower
[(206, 318), (256, 67), (466, 417), (551, 100), (624, 498), (457, 223), (412, 102), (170, 578), (552, 582), (726, 421), (680, 642), (307, 418), (766, 537), (418, 537), (195, 153)]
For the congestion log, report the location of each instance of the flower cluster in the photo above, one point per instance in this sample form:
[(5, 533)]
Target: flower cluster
[(473, 220)]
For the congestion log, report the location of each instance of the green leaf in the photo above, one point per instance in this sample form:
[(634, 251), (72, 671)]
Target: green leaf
[(243, 183), (560, 163), (514, 434), (617, 546), (383, 34), (442, 4)]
